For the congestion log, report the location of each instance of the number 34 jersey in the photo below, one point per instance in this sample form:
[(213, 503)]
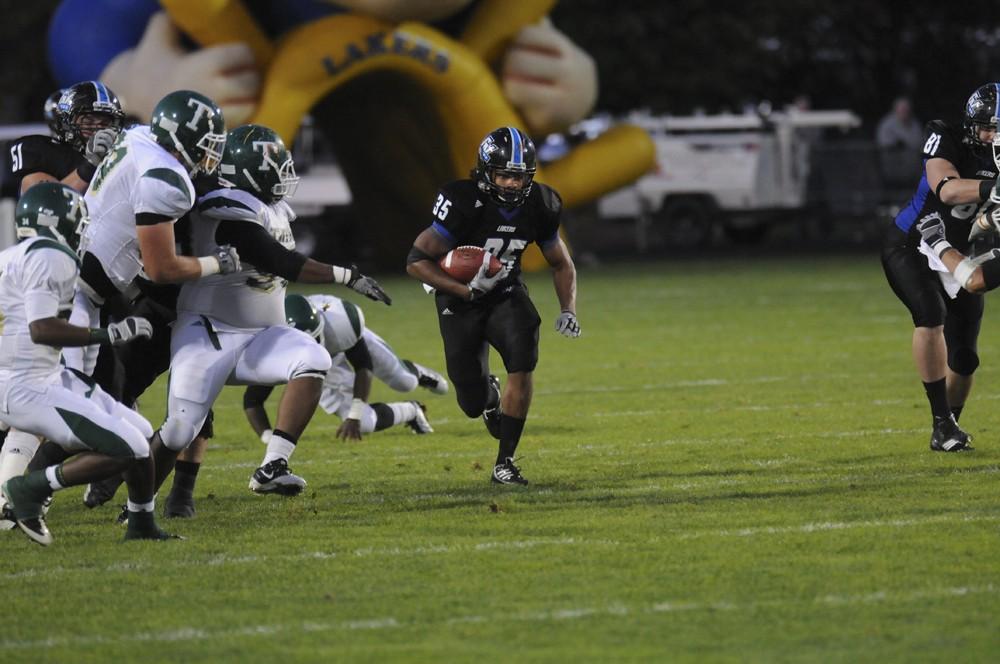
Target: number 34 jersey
[(948, 141), (464, 215)]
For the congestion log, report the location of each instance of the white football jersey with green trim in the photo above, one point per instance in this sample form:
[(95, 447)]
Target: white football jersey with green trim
[(38, 282), (248, 299), (137, 176), (343, 322)]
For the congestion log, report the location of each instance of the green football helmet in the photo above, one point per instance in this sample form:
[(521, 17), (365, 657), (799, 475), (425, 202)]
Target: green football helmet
[(302, 315), (257, 161), (52, 210), (191, 125)]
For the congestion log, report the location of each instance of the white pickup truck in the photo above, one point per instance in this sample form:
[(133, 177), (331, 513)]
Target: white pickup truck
[(737, 172)]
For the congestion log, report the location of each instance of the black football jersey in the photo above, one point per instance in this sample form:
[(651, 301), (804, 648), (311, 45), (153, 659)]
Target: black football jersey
[(464, 215), (38, 154), (948, 141)]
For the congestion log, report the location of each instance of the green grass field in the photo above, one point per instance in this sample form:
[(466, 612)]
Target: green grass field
[(730, 465)]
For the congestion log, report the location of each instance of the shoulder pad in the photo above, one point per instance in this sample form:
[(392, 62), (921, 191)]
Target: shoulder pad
[(463, 194), (343, 320), (164, 191), (231, 204), (550, 198)]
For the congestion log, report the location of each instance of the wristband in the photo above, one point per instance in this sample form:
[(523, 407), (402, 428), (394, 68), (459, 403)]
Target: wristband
[(265, 436), (964, 271), (985, 189), (99, 335), (940, 247), (357, 409), (341, 275), (209, 265), (86, 171)]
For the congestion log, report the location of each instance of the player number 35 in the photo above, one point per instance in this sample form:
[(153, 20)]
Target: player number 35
[(441, 207)]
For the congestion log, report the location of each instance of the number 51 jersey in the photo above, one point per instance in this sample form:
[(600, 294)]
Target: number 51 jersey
[(464, 215)]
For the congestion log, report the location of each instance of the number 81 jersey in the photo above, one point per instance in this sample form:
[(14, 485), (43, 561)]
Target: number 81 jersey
[(464, 215), (951, 142)]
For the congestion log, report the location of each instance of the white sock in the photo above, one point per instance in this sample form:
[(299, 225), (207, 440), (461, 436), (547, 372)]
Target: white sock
[(16, 455), (402, 411), (278, 447), (141, 507), (53, 477)]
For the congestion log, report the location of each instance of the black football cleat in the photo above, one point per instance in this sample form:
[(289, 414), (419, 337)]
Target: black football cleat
[(275, 477), (507, 473), (100, 492), (948, 437), (178, 506)]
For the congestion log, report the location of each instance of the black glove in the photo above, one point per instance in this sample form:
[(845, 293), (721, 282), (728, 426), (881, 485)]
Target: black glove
[(367, 286)]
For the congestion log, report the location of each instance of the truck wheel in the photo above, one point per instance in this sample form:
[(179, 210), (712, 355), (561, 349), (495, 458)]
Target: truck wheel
[(684, 223)]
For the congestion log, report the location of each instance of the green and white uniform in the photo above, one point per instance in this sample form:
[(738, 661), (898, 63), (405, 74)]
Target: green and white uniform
[(37, 394)]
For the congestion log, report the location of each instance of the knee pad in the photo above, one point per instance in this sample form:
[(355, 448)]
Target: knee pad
[(177, 433), (471, 398), (136, 441), (313, 361), (963, 361)]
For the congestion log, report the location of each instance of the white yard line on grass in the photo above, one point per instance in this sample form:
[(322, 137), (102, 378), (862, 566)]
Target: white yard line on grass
[(611, 610)]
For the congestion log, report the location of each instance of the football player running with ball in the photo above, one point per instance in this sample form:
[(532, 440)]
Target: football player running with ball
[(501, 210), (42, 397)]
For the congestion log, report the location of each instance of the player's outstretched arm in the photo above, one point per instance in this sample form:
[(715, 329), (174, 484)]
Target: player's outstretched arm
[(361, 361), (160, 259), (564, 280), (59, 333), (253, 407)]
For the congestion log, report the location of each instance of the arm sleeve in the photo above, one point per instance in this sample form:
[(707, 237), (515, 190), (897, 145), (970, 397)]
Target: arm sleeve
[(359, 356), (256, 246)]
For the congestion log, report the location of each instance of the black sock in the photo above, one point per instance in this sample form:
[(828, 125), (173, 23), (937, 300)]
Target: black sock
[(185, 476), (510, 435), (956, 412), (48, 454), (383, 416), (937, 395)]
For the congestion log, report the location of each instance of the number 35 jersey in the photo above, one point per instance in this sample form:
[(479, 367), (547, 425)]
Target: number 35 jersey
[(464, 215), (948, 141)]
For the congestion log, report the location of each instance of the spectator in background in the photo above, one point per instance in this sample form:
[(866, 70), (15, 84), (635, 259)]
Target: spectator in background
[(899, 137)]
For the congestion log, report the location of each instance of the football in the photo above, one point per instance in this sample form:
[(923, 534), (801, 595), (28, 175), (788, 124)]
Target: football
[(462, 263)]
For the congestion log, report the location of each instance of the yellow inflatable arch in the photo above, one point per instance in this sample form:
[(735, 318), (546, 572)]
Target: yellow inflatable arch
[(306, 64)]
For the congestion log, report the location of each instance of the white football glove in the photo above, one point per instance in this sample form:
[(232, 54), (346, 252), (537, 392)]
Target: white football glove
[(100, 144), (229, 260), (367, 286), (567, 325), (932, 230), (130, 329), (481, 284)]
